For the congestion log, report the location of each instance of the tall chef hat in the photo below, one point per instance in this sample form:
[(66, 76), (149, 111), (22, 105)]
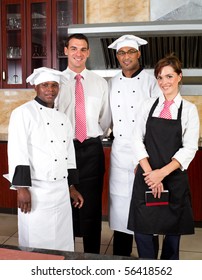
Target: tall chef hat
[(127, 41), (44, 74)]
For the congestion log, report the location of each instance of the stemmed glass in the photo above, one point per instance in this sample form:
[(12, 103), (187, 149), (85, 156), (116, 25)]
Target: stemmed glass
[(36, 53), (62, 19)]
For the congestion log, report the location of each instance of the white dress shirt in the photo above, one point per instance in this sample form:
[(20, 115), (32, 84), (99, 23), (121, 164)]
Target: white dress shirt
[(190, 128), (98, 116)]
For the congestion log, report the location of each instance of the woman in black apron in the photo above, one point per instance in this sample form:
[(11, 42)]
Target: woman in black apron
[(170, 145)]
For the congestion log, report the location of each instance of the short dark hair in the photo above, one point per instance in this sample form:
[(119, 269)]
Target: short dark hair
[(169, 60), (78, 36)]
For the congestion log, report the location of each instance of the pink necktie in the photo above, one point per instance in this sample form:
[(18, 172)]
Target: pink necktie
[(80, 115), (165, 113)]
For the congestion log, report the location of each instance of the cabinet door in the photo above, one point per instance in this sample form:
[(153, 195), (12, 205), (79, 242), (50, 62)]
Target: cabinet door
[(0, 53), (33, 35), (13, 44), (38, 34), (64, 12)]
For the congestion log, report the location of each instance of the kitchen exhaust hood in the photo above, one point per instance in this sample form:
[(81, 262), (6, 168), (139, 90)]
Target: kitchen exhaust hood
[(184, 38)]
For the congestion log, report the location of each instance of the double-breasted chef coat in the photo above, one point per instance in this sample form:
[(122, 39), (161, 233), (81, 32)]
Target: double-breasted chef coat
[(40, 143), (126, 94)]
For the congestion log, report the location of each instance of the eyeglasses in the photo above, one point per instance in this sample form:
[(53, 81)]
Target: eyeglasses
[(129, 52)]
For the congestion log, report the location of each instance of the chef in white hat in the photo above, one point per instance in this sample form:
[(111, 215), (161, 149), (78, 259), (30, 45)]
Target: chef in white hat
[(131, 86), (41, 166)]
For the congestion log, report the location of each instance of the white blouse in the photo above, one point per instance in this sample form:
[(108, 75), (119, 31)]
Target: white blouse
[(190, 129)]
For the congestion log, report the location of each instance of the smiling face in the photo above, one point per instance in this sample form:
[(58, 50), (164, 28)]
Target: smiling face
[(77, 52), (47, 92), (168, 81), (128, 59)]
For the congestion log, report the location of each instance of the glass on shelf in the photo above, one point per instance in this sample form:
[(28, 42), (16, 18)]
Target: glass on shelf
[(14, 52), (38, 20), (36, 51), (62, 18), (14, 23), (43, 51)]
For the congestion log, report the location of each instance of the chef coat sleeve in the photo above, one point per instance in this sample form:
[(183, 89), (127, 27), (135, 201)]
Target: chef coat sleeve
[(18, 155), (190, 135), (73, 173)]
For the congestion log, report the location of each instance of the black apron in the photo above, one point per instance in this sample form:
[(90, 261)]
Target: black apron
[(163, 139), (90, 162)]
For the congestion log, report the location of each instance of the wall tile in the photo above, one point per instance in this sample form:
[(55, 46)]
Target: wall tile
[(104, 11)]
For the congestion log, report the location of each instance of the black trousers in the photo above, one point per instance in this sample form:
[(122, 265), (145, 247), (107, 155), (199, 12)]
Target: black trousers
[(147, 245), (87, 221), (122, 244), (91, 243)]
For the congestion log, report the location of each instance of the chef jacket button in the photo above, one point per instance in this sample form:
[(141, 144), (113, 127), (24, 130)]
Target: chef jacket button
[(66, 158), (119, 120), (120, 135), (41, 108), (56, 160), (64, 177), (120, 78), (133, 120), (138, 78), (131, 106), (51, 141), (48, 123), (55, 179), (62, 123), (119, 106), (64, 141), (133, 90), (118, 91)]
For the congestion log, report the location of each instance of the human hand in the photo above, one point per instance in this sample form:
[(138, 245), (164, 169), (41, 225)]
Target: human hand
[(153, 178), (157, 190), (76, 197), (24, 199)]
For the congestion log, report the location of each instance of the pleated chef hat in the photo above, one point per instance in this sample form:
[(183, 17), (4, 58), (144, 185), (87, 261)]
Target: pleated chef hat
[(127, 41), (44, 74)]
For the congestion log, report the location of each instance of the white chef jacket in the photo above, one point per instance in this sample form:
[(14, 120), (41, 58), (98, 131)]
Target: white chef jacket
[(97, 108), (190, 129), (41, 138), (126, 95)]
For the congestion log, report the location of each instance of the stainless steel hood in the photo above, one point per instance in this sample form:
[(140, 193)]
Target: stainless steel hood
[(184, 38)]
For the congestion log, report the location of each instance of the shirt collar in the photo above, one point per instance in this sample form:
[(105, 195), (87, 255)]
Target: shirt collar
[(177, 100), (73, 74), (41, 102), (135, 73)]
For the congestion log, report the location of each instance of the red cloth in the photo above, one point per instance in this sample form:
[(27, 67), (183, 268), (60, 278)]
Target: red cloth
[(9, 254)]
